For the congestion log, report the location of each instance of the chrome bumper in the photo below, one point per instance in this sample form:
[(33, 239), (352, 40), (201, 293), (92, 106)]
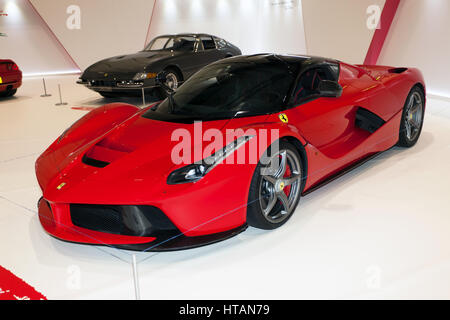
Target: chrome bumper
[(120, 86)]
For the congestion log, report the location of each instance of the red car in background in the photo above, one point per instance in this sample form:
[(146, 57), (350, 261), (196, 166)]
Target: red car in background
[(10, 78)]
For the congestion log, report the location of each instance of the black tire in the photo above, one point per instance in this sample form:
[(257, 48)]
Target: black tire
[(406, 139), (8, 93), (255, 215), (11, 93), (160, 93), (176, 73)]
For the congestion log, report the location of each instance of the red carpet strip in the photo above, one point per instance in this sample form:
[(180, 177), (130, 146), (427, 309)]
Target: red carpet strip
[(14, 288)]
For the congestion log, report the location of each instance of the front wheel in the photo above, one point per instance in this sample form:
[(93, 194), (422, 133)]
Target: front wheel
[(276, 188), (173, 79), (412, 118)]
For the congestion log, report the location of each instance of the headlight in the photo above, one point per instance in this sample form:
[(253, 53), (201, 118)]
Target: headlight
[(196, 171), (143, 76)]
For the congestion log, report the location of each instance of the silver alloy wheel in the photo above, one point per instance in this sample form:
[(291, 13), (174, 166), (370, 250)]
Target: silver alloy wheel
[(414, 116), (275, 204), (172, 81)]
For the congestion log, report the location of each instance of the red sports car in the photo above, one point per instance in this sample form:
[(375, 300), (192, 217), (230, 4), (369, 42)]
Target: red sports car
[(237, 144), (10, 78)]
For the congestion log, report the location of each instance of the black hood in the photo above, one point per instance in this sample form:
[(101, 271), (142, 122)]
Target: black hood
[(127, 64)]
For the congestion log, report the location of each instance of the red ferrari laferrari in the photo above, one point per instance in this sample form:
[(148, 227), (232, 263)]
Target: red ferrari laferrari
[(10, 78), (237, 144)]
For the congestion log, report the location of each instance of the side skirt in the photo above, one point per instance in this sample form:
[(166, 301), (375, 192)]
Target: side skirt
[(341, 173)]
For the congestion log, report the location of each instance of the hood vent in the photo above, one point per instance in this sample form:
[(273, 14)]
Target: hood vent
[(94, 163), (100, 156)]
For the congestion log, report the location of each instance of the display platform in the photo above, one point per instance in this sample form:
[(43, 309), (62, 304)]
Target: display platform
[(380, 231)]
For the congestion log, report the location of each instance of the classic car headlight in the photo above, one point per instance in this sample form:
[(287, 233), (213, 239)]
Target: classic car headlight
[(144, 75), (196, 171)]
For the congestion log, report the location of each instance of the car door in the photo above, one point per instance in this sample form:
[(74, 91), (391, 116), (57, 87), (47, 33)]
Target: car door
[(191, 60), (324, 122), (328, 124)]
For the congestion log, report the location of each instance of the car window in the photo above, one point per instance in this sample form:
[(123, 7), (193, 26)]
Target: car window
[(222, 90), (220, 43), (157, 44), (170, 43), (308, 84), (184, 43), (208, 43)]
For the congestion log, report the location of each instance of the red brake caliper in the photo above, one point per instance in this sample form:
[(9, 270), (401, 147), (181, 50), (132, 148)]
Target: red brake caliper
[(287, 190)]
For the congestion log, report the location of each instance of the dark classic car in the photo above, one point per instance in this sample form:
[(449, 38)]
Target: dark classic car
[(178, 56)]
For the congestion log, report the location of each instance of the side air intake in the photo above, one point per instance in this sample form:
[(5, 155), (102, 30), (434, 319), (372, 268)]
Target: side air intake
[(398, 70), (368, 121), (138, 221)]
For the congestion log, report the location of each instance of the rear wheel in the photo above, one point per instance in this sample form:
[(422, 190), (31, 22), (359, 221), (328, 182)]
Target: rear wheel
[(412, 118), (276, 188)]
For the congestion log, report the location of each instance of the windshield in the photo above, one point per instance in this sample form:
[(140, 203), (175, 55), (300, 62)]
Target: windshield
[(171, 43), (225, 90)]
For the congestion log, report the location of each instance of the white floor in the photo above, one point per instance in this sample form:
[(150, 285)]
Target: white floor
[(382, 231)]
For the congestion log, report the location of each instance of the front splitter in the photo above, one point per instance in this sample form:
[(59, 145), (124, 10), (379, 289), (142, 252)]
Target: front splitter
[(182, 242)]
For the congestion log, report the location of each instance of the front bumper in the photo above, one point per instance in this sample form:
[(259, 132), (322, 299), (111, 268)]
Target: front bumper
[(139, 228), (119, 86)]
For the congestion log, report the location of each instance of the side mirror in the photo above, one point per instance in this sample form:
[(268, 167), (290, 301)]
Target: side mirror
[(330, 89)]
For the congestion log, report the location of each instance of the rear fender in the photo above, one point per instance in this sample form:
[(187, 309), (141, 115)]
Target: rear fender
[(399, 80)]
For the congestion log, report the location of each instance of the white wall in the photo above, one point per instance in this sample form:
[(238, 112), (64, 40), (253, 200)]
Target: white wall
[(338, 28), (253, 25), (420, 37), (113, 27), (29, 43), (108, 27)]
